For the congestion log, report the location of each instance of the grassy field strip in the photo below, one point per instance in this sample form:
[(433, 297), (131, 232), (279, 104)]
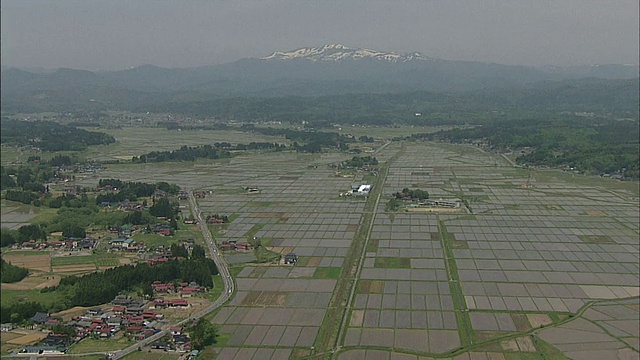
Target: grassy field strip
[(463, 320), (97, 260), (355, 273)]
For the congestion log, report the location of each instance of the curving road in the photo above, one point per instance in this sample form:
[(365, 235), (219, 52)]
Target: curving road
[(224, 273)]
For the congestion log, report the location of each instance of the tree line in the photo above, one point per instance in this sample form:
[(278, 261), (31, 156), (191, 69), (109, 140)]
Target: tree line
[(101, 287), (11, 273), (593, 146), (47, 135)]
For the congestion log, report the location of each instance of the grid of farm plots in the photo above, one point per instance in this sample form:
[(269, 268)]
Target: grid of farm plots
[(224, 174), (403, 297), (283, 306), (547, 248)]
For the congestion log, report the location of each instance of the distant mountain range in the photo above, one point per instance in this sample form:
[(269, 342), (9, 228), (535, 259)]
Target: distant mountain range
[(314, 71)]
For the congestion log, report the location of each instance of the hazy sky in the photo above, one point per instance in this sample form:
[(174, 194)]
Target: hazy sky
[(92, 34)]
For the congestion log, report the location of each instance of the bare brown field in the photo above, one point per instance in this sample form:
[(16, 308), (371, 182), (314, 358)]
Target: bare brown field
[(51, 280), (27, 339), (9, 347), (521, 322), (634, 307), (125, 261), (280, 249), (371, 287), (537, 320), (74, 268), (482, 336), (32, 262), (33, 281), (265, 298), (509, 345), (314, 261), (69, 314), (6, 336), (174, 314), (352, 227), (357, 316)]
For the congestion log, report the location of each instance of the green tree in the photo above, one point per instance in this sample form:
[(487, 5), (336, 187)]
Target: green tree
[(197, 252), (203, 333), (64, 330), (73, 230), (163, 207), (11, 273), (179, 250)]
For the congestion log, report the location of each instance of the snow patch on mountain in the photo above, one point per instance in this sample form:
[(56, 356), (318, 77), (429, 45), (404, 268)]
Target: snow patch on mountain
[(339, 52)]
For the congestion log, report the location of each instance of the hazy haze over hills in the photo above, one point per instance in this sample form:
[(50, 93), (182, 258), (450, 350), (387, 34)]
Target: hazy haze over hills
[(328, 70), (117, 34)]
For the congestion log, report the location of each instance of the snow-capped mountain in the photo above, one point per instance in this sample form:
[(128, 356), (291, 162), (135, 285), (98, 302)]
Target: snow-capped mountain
[(338, 52)]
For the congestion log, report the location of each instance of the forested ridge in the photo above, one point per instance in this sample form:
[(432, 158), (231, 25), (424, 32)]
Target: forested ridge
[(50, 136), (593, 146)]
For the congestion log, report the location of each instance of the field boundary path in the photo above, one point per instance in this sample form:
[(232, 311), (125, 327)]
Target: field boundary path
[(331, 331)]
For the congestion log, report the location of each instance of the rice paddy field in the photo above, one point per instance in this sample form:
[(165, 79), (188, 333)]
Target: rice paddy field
[(542, 263)]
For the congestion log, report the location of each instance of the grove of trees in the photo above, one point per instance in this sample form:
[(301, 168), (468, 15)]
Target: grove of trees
[(11, 273), (46, 135)]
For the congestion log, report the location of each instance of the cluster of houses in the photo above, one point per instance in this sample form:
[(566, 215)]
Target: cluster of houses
[(217, 219), (87, 168), (53, 344), (161, 303), (137, 319), (183, 195), (123, 230), (30, 245), (234, 245), (183, 289), (125, 243), (159, 259), (87, 243), (126, 315), (177, 341), (106, 188), (127, 205), (67, 244), (160, 229)]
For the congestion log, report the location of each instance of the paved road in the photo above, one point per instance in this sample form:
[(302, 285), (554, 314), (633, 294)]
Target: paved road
[(224, 273), (226, 294)]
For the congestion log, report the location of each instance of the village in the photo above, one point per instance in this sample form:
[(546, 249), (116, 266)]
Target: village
[(125, 317)]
